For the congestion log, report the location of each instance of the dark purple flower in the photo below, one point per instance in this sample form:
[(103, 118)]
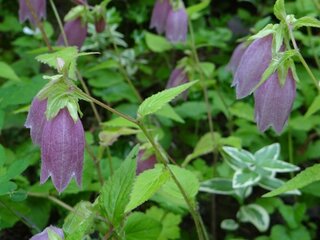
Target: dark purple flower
[(273, 102), (76, 33), (178, 76), (159, 15), (145, 164), (100, 25), (44, 234), (253, 63), (236, 57), (62, 148), (36, 119), (39, 7), (177, 25)]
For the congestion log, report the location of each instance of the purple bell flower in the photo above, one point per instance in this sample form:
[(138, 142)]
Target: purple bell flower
[(273, 102), (145, 164), (159, 15), (76, 33), (177, 25), (39, 7), (62, 148), (44, 234), (236, 57), (178, 76), (36, 119), (254, 61)]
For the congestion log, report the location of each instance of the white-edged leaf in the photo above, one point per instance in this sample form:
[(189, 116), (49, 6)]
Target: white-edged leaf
[(217, 185), (307, 176), (278, 166), (229, 224), (256, 215), (241, 156), (7, 72), (157, 101), (271, 183), (244, 178), (145, 185), (268, 153)]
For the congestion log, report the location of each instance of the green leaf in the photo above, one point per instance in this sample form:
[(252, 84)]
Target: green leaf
[(2, 155), (7, 187), (169, 221), (245, 178), (256, 215), (156, 102), (306, 21), (229, 224), (7, 72), (271, 183), (79, 222), (279, 10), (217, 185), (168, 112), (115, 194), (157, 43), (197, 7), (15, 169), (146, 184), (52, 235), (315, 106), (307, 176), (293, 215), (140, 226)]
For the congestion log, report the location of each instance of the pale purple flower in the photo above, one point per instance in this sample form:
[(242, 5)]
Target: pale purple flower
[(253, 63), (44, 234), (76, 33), (273, 102), (39, 7), (145, 164), (177, 77), (36, 119), (177, 25), (159, 15), (62, 148), (236, 57)]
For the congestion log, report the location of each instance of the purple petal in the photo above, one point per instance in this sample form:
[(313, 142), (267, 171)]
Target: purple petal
[(236, 57), (76, 33), (36, 119), (39, 7), (62, 150), (44, 234), (253, 63), (177, 25), (178, 77), (273, 103), (145, 164), (159, 15)]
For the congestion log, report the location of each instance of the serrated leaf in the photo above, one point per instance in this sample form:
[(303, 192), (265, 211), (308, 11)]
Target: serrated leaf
[(279, 10), (218, 186), (306, 21), (245, 178), (307, 176), (315, 106), (157, 43), (7, 72), (168, 112), (197, 7), (256, 215), (115, 194), (157, 101), (147, 184), (140, 226)]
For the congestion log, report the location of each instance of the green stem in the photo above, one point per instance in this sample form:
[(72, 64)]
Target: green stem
[(315, 56), (52, 199), (56, 14), (96, 163)]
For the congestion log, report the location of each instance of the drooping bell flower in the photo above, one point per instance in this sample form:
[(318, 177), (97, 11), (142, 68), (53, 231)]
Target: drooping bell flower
[(145, 163), (159, 15), (273, 102), (253, 63), (177, 24), (76, 33), (36, 119), (100, 25), (44, 234), (62, 148), (177, 77), (39, 7), (236, 57)]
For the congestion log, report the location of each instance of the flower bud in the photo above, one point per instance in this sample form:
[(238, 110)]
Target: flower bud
[(145, 163), (254, 61), (177, 25), (39, 7), (76, 33), (36, 119), (44, 234), (178, 77), (62, 148), (273, 102), (159, 15), (100, 25)]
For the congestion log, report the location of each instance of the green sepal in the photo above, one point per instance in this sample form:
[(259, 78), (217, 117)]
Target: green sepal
[(306, 21), (267, 30), (75, 13)]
